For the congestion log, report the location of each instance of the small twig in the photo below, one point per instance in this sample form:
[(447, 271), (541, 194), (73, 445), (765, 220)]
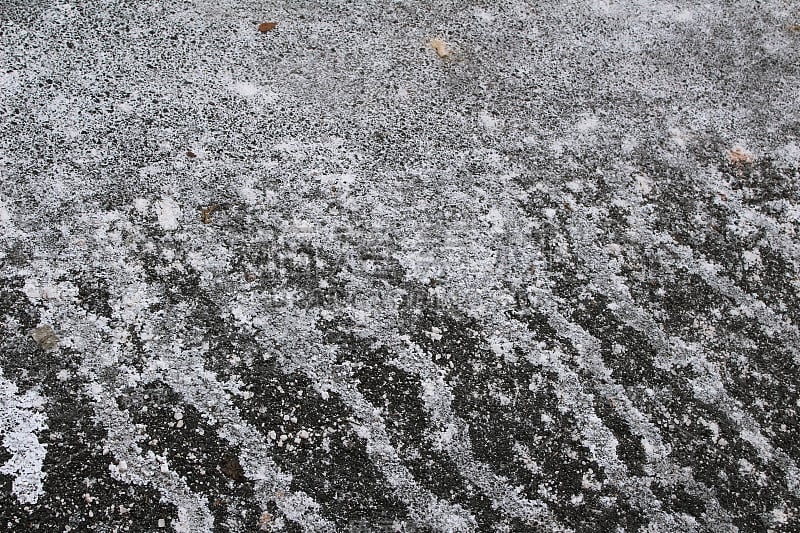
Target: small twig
[(205, 213)]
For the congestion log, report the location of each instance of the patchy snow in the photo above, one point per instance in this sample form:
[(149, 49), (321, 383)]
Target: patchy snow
[(21, 419), (168, 212), (490, 252)]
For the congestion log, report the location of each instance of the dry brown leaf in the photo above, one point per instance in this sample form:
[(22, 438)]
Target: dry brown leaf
[(264, 27), (265, 521), (190, 154), (233, 469), (205, 213), (441, 47), (739, 156)]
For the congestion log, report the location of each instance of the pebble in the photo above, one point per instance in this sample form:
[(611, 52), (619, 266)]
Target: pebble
[(45, 337)]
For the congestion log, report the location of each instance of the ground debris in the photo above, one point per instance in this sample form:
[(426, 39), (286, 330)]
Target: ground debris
[(442, 49), (740, 156), (265, 27), (205, 213), (45, 337), (233, 469), (265, 521)]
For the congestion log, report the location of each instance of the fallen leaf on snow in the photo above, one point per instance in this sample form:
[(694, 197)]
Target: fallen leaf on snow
[(265, 521), (205, 213), (442, 48), (264, 27), (740, 156), (233, 469)]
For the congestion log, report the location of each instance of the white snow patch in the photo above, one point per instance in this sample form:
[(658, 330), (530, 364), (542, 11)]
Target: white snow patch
[(779, 516), (752, 258), (677, 136), (20, 419), (169, 213), (489, 122), (9, 81), (446, 435), (135, 302), (501, 347), (245, 88), (482, 15), (643, 184), (494, 219), (684, 15), (141, 204), (250, 195), (788, 155), (588, 124), (758, 441)]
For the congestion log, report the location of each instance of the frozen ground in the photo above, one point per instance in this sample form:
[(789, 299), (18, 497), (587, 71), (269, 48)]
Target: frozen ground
[(399, 265)]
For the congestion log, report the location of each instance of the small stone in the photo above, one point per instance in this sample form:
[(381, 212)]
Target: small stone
[(122, 466), (178, 415), (162, 522), (179, 424), (303, 434), (272, 435), (45, 337)]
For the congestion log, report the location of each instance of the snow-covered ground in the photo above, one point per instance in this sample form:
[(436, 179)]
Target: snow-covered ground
[(399, 266)]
